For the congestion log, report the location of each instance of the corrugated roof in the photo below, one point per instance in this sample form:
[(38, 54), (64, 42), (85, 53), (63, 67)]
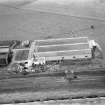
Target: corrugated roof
[(64, 53), (63, 47), (58, 41), (4, 50), (69, 48)]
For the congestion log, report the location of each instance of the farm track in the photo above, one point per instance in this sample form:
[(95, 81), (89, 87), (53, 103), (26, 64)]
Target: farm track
[(87, 101), (91, 72), (83, 78)]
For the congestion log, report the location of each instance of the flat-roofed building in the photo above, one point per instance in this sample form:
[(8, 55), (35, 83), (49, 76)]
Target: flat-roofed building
[(43, 51), (62, 48)]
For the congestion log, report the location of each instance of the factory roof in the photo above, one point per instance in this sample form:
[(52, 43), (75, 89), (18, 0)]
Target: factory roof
[(4, 49)]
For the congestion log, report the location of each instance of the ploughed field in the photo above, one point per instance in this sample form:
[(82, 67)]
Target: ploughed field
[(35, 88)]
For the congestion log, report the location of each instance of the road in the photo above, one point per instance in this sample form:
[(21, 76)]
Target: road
[(94, 101)]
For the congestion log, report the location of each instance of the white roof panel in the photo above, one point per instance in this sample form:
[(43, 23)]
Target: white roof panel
[(61, 41), (64, 53), (63, 47), (4, 50)]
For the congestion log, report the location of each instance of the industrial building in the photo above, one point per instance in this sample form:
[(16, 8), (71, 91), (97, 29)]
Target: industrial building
[(56, 51), (4, 55), (42, 51), (62, 48)]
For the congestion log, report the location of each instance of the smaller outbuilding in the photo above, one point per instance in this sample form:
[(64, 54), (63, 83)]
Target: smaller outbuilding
[(4, 55)]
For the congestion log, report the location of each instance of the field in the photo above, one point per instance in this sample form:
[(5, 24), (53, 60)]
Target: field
[(36, 89), (22, 21)]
